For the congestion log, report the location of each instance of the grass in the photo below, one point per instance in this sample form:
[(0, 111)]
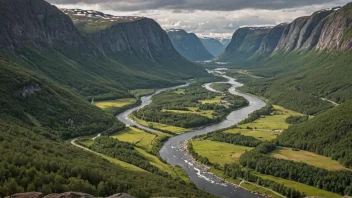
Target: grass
[(223, 87), (194, 110), (115, 103), (179, 91), (87, 142), (136, 136), (219, 152), (217, 99), (142, 92), (308, 190), (262, 135), (245, 72), (158, 126), (261, 190), (308, 157), (276, 121), (175, 172)]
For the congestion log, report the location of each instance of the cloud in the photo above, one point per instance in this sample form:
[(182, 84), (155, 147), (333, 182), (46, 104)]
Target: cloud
[(213, 18), (219, 5)]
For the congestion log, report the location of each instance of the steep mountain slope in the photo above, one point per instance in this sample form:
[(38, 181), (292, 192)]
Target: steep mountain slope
[(245, 42), (189, 45), (328, 134), (43, 39), (137, 42), (214, 46)]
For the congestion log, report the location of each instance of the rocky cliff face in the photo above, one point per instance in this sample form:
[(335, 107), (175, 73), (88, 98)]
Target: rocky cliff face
[(245, 42), (189, 45), (38, 24), (214, 46), (143, 37), (271, 40), (329, 29)]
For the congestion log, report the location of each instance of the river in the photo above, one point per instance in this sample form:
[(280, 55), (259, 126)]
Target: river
[(173, 150)]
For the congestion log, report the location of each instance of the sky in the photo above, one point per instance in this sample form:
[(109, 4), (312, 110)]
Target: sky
[(207, 18)]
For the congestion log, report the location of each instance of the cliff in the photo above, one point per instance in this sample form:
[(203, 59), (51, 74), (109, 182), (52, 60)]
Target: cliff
[(189, 45), (245, 42), (214, 46)]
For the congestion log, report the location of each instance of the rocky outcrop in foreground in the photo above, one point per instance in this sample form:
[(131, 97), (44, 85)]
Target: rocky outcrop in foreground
[(64, 195)]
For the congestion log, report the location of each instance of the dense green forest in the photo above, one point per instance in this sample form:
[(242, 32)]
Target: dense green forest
[(42, 103), (334, 181), (231, 138), (31, 162), (267, 110), (191, 98), (328, 134), (236, 171), (298, 81), (125, 152)]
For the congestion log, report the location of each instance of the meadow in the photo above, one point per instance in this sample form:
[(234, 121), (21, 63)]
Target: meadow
[(142, 92), (115, 103), (219, 152), (136, 136), (159, 126), (307, 157)]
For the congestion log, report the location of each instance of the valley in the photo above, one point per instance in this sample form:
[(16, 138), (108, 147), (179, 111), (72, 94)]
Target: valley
[(99, 103)]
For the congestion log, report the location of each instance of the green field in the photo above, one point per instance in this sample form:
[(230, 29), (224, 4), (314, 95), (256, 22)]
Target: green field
[(175, 172), (251, 187), (219, 152), (223, 87), (217, 100), (158, 126), (86, 142), (276, 121), (137, 137), (263, 135), (142, 92), (179, 91), (194, 110), (307, 157), (309, 190), (115, 103)]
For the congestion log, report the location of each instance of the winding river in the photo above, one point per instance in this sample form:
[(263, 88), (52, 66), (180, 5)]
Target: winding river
[(173, 150)]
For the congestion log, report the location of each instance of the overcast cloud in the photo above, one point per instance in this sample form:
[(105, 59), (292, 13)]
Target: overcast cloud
[(215, 18)]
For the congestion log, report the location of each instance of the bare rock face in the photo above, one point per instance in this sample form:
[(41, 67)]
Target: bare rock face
[(38, 24), (28, 195), (245, 42), (337, 31), (28, 90), (271, 40)]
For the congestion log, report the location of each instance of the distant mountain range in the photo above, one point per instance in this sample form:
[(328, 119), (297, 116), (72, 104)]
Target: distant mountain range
[(213, 45), (189, 45)]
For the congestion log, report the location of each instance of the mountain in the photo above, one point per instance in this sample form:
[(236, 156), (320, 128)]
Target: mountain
[(138, 42), (41, 38), (189, 45), (214, 46), (225, 41), (244, 43), (305, 66), (48, 70)]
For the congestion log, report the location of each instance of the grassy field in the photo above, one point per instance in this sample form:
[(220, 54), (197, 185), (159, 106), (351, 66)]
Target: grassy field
[(115, 103), (261, 190), (137, 137), (223, 87), (194, 110), (309, 190), (175, 172), (158, 126), (86, 142), (276, 121), (123, 164), (179, 91), (263, 135), (142, 92), (217, 99), (307, 157), (219, 152)]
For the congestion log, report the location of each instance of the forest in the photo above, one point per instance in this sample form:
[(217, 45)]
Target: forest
[(231, 138), (334, 181), (191, 98), (125, 152)]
